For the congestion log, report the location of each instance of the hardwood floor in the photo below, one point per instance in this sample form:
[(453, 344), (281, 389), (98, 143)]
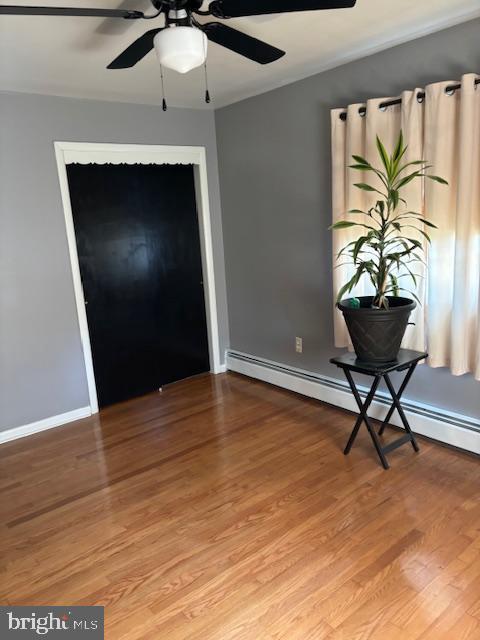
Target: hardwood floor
[(223, 509)]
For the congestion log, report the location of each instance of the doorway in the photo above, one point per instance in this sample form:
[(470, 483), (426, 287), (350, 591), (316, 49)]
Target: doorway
[(187, 167)]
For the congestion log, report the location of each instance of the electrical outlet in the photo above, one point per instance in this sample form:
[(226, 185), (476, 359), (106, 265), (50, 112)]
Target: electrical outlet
[(299, 345)]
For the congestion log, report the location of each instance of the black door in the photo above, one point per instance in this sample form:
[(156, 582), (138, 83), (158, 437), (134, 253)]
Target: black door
[(139, 250)]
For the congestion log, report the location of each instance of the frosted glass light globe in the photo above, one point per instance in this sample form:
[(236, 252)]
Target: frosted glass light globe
[(181, 48)]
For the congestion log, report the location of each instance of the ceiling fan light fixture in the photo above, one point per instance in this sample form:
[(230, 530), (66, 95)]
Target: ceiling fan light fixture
[(181, 48)]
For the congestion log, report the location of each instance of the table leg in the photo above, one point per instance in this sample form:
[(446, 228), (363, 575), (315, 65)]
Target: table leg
[(403, 386), (403, 417), (363, 417)]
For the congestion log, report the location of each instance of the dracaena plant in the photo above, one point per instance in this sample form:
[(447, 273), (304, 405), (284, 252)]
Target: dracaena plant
[(386, 251)]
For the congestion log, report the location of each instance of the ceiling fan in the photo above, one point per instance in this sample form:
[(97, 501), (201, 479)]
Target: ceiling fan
[(182, 43)]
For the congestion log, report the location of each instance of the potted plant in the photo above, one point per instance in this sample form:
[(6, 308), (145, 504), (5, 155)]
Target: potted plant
[(385, 253)]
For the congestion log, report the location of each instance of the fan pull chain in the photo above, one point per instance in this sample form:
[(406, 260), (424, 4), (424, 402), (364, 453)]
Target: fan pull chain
[(164, 102), (207, 92)]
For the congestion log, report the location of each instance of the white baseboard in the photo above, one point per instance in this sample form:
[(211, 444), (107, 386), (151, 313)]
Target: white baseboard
[(43, 425), (445, 426), (58, 421)]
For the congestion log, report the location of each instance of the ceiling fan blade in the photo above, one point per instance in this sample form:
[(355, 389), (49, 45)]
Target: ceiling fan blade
[(135, 52), (69, 11), (241, 43), (239, 8)]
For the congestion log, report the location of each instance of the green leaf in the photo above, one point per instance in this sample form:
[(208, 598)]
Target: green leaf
[(415, 163), (343, 224), (384, 156), (394, 281), (437, 179), (411, 293), (358, 246), (416, 217), (361, 160), (357, 211), (425, 234), (416, 243), (381, 176), (427, 223), (399, 152), (416, 258), (399, 147), (359, 274), (412, 275), (394, 257), (396, 164), (407, 179), (364, 186), (395, 198), (346, 288), (396, 241)]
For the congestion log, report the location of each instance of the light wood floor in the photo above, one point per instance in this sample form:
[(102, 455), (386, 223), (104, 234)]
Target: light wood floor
[(223, 509)]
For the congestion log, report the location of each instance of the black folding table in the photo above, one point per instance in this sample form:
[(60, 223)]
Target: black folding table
[(407, 361)]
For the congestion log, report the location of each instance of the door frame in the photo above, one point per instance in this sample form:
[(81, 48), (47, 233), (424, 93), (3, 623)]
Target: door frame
[(102, 153)]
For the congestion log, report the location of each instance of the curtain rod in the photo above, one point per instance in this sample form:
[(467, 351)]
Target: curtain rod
[(420, 97)]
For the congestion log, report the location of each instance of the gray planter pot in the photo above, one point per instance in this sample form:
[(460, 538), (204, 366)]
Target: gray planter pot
[(377, 333)]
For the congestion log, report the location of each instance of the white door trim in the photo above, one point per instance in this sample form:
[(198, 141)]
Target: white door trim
[(101, 153)]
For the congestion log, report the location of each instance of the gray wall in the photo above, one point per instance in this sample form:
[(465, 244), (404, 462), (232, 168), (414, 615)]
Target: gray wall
[(42, 371), (274, 161)]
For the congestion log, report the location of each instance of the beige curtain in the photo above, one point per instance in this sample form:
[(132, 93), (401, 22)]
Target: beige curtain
[(443, 128)]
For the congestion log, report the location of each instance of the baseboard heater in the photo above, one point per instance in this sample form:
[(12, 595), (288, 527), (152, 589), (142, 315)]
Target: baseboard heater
[(445, 426)]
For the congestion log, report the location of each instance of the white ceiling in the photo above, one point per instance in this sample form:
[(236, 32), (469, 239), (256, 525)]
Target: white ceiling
[(67, 56)]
